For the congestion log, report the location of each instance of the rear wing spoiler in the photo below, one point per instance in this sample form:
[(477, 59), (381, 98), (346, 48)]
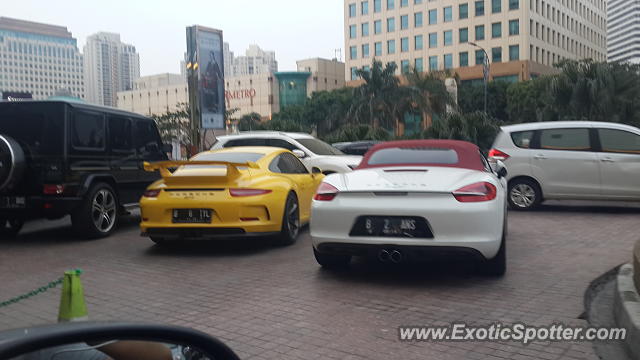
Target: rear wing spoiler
[(164, 166)]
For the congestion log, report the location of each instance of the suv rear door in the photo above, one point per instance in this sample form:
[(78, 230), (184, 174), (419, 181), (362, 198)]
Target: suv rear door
[(148, 145), (565, 164), (619, 157), (123, 158)]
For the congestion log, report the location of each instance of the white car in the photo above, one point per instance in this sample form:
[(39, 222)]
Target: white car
[(410, 199), (311, 151), (578, 160)]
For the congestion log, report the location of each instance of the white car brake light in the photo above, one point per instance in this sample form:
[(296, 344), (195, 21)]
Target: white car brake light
[(478, 192), (325, 192), (495, 154)]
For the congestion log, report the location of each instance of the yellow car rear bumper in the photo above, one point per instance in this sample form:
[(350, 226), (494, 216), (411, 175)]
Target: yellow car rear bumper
[(230, 216)]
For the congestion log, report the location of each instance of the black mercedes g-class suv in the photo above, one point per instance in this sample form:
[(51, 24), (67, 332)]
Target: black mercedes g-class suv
[(62, 157)]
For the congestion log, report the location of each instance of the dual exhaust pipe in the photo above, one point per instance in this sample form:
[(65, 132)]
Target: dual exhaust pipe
[(388, 255)]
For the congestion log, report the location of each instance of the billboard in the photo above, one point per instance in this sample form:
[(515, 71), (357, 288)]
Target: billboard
[(206, 83)]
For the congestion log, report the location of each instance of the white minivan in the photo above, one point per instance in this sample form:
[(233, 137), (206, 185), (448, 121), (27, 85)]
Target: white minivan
[(579, 160)]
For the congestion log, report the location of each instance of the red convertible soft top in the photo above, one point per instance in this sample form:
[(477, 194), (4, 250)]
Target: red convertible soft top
[(468, 154)]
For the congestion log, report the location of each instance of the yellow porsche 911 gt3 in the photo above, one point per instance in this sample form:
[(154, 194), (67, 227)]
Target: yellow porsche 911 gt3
[(229, 192)]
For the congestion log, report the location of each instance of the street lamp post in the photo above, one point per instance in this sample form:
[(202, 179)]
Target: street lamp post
[(486, 68)]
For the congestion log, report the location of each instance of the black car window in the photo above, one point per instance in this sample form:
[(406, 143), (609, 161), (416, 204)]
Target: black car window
[(565, 139), (280, 165), (294, 164), (522, 139), (246, 142), (147, 140), (281, 144), (88, 131), (415, 155), (37, 127), (120, 134), (619, 141)]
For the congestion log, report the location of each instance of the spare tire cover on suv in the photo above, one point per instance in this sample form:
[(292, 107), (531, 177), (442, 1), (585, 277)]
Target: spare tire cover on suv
[(12, 162)]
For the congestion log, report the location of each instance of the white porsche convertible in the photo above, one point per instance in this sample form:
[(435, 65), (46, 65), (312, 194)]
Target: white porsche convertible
[(412, 199)]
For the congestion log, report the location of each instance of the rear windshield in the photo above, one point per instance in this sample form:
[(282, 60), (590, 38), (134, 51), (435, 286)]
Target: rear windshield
[(235, 157), (319, 147), (416, 155), (38, 128)]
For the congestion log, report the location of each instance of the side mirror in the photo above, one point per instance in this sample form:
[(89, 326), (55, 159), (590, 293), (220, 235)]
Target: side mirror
[(299, 153), (118, 341), (168, 148), (501, 169), (316, 170)]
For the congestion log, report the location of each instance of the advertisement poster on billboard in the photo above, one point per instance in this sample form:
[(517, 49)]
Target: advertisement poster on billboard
[(210, 75)]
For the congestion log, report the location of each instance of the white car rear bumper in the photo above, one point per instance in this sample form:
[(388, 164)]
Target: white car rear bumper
[(473, 227)]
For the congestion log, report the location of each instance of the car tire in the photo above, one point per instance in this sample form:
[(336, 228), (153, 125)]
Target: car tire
[(497, 266), (524, 194), (12, 162), (290, 221), (332, 261), (97, 215), (9, 228)]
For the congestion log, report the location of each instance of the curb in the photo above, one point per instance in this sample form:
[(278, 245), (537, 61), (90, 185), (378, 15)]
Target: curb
[(636, 264), (626, 308)]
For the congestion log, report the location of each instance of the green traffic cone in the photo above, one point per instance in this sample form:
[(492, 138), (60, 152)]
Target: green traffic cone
[(72, 305)]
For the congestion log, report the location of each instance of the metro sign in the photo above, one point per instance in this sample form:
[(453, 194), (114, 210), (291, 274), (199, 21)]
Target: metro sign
[(240, 94)]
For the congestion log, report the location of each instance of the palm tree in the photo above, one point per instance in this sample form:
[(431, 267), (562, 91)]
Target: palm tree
[(597, 91), (377, 100), (428, 93)]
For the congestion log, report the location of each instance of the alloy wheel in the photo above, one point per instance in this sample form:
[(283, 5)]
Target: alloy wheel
[(293, 219), (103, 210), (523, 195)]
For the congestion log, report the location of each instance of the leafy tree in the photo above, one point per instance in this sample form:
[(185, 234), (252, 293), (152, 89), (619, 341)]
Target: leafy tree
[(428, 91), (529, 101), (475, 127), (326, 111), (176, 125), (471, 98), (597, 91), (249, 122)]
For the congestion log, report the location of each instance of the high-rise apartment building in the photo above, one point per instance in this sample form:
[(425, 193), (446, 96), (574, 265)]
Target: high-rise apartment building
[(623, 30), (254, 62), (521, 38), (110, 66), (227, 56), (39, 59)]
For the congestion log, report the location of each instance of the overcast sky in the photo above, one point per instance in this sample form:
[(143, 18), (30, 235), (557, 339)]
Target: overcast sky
[(294, 29)]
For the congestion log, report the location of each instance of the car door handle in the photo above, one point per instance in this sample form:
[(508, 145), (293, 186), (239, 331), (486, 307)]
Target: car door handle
[(540, 157), (607, 159)]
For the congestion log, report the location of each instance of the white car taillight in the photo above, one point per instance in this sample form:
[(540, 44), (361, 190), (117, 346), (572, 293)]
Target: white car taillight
[(478, 192), (495, 154), (325, 192)]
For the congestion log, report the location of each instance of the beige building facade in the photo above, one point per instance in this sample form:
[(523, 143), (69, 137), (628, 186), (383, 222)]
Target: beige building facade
[(252, 94), (154, 95), (522, 39), (257, 93), (326, 75)]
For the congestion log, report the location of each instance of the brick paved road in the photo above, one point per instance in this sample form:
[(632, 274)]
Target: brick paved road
[(276, 303)]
